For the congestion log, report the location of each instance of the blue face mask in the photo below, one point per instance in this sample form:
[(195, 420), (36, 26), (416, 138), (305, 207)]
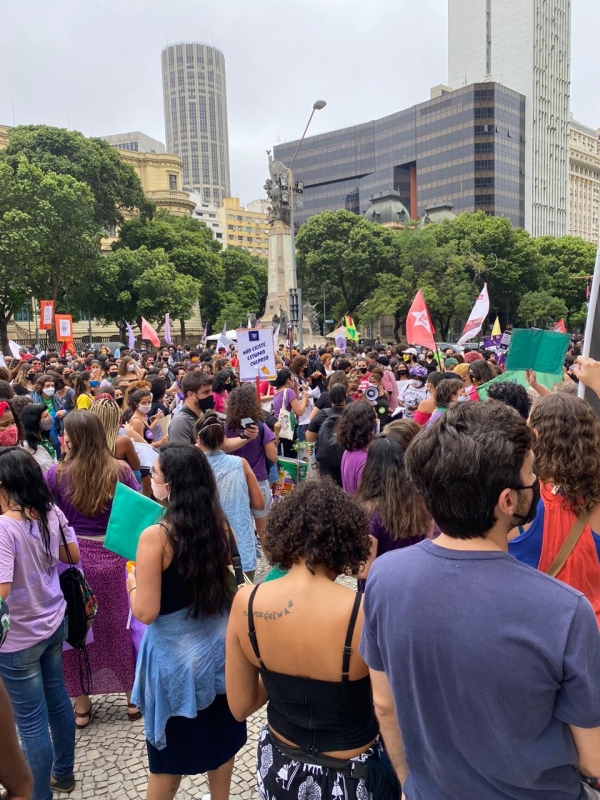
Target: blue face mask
[(94, 384)]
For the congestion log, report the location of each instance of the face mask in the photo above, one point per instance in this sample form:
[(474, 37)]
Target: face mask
[(207, 403), (524, 519), (53, 365), (144, 409), (94, 383), (403, 372), (227, 387), (164, 371), (363, 370), (68, 357), (9, 436), (30, 376), (47, 424), (48, 391), (130, 367), (112, 376), (406, 358), (159, 490), (119, 401)]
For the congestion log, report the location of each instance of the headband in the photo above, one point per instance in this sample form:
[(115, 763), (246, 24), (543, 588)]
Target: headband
[(4, 406)]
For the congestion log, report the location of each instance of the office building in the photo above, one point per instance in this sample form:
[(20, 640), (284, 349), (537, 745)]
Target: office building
[(465, 147), (195, 107), (208, 214), (584, 182), (243, 227), (135, 141), (525, 45)]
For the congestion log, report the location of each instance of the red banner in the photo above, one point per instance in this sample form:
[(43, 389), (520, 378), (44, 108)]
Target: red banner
[(419, 329), (46, 314), (64, 327)]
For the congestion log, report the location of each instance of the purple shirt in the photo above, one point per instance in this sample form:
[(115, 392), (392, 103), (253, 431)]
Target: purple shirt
[(84, 526), (290, 395), (37, 605), (353, 464), (254, 451)]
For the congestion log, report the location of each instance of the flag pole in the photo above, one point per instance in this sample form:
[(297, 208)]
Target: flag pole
[(589, 323)]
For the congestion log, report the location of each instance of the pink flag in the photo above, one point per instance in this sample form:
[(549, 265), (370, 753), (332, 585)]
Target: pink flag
[(419, 329), (149, 333), (167, 336)]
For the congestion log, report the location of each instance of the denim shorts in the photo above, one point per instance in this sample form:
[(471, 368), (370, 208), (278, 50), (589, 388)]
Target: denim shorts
[(265, 488)]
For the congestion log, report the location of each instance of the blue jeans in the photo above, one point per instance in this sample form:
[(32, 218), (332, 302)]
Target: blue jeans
[(34, 681)]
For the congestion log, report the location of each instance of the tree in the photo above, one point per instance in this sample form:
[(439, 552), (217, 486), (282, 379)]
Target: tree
[(233, 314), (115, 185), (248, 275), (342, 253), (567, 262), (541, 308), (393, 295)]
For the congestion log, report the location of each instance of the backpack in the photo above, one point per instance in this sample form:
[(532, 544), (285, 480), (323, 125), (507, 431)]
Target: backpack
[(329, 452)]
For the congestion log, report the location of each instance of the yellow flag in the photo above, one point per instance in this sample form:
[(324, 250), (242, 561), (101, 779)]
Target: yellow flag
[(496, 331)]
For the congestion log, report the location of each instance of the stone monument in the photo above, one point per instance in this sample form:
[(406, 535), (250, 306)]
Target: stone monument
[(281, 271)]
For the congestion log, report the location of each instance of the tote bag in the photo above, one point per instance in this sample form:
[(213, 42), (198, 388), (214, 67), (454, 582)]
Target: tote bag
[(287, 419)]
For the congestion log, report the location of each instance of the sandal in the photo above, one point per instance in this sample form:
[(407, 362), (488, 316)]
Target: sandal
[(86, 716), (137, 714)]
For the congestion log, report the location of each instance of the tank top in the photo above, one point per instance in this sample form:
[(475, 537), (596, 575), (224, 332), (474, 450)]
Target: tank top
[(172, 593), (319, 716)]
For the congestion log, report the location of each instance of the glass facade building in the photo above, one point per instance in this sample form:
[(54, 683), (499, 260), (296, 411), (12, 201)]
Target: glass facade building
[(466, 146)]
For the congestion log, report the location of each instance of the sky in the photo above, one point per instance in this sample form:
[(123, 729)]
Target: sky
[(94, 65)]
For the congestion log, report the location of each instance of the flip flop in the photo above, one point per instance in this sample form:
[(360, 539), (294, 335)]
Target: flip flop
[(137, 714)]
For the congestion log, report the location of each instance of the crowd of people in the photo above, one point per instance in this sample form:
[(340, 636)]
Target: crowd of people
[(466, 664)]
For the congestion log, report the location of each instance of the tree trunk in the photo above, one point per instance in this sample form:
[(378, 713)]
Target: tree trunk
[(182, 326), (397, 326), (4, 320)]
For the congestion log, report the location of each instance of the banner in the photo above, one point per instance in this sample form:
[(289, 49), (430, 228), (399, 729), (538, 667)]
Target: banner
[(167, 336), (223, 341), (351, 328), (541, 351), (14, 349), (256, 354), (130, 336), (475, 322), (518, 376), (204, 334), (340, 342), (149, 333), (64, 327), (419, 329), (591, 339), (46, 314)]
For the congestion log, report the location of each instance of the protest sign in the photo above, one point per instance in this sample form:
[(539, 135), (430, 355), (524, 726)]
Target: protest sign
[(64, 327), (46, 314), (131, 514), (541, 351), (340, 343), (518, 376), (256, 354), (591, 341)]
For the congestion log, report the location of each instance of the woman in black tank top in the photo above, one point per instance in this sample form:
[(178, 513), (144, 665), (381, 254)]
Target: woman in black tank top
[(293, 643)]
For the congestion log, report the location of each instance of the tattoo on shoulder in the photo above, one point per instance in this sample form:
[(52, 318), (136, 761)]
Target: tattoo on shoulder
[(269, 615)]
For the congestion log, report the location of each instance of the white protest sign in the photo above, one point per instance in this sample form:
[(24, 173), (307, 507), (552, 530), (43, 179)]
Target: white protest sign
[(256, 354)]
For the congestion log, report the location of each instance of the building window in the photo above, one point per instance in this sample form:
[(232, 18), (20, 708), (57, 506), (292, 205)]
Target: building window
[(173, 183), (23, 315)]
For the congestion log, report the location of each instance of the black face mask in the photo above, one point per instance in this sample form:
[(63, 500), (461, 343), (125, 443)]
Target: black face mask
[(30, 376), (363, 370), (525, 519), (119, 401), (207, 403), (227, 387)]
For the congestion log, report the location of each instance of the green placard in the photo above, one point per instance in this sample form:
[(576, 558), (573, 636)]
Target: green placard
[(541, 351), (131, 514), (518, 376)]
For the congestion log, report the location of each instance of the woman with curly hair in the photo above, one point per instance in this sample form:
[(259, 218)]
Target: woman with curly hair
[(355, 431), (397, 515), (321, 739), (567, 455)]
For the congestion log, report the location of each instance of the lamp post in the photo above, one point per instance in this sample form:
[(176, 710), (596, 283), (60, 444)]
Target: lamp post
[(317, 106)]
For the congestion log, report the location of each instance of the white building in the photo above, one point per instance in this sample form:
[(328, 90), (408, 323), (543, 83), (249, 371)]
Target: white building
[(526, 46), (136, 141), (584, 183), (209, 215)]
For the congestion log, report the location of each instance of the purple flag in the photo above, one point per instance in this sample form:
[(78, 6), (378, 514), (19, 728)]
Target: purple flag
[(131, 337), (167, 336)]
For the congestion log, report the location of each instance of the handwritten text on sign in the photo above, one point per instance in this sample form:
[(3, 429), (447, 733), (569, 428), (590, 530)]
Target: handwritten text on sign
[(256, 354)]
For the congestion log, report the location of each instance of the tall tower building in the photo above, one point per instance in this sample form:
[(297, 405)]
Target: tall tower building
[(195, 105), (524, 45)]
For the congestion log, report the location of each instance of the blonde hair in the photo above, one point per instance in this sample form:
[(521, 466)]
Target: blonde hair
[(461, 369), (108, 413)]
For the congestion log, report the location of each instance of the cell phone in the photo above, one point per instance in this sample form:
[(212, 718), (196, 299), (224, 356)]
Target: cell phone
[(247, 422), (222, 416)]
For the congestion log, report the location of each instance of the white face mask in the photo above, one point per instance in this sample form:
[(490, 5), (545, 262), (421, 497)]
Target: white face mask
[(48, 391), (47, 424), (159, 490), (144, 409), (130, 367)]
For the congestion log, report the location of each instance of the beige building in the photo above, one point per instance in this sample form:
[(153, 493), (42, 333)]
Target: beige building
[(244, 227), (584, 182)]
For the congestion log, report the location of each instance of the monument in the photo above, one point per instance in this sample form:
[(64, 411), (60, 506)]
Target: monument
[(281, 263)]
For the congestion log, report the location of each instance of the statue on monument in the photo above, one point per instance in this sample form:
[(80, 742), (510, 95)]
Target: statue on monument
[(278, 192)]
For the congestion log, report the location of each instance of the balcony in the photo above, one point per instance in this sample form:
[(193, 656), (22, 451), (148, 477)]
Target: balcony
[(170, 198)]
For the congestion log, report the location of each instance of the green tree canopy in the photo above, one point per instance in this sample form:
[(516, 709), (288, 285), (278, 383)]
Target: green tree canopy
[(541, 308), (567, 263), (115, 185), (247, 275)]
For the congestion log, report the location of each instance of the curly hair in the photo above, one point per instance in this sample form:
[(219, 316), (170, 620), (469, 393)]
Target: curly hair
[(220, 380), (446, 390), (243, 402), (473, 355), (356, 426), (567, 448), (511, 394), (334, 535)]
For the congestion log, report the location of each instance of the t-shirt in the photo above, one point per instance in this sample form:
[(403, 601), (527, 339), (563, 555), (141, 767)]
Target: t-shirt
[(254, 451), (37, 605), (84, 402), (84, 526), (489, 661), (290, 395), (413, 396), (385, 543), (324, 402), (183, 427), (353, 463)]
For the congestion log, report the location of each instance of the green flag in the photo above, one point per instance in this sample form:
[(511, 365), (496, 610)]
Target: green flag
[(518, 376), (541, 351)]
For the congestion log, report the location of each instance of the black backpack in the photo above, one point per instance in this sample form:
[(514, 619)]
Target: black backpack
[(329, 452)]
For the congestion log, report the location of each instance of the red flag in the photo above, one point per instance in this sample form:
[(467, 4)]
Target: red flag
[(149, 333), (560, 326), (419, 329)]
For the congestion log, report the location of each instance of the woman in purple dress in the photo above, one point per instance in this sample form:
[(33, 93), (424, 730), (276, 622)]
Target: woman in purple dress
[(83, 487)]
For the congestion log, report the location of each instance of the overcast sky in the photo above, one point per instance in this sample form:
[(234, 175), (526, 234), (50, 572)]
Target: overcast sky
[(96, 64)]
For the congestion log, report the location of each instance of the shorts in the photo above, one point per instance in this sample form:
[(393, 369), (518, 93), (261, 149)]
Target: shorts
[(265, 488)]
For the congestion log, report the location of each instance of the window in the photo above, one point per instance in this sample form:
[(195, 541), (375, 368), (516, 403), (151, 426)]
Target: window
[(219, 235), (173, 183), (23, 315)]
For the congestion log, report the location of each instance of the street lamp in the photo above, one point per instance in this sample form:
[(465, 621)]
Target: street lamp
[(317, 106)]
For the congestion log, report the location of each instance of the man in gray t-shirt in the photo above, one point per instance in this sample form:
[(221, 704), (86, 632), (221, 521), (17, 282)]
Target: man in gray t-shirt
[(486, 673)]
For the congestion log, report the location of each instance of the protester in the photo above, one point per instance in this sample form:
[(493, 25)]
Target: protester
[(37, 424), (320, 719), (447, 392), (128, 370), (121, 446), (479, 373), (355, 432), (239, 491), (31, 545), (567, 453), (83, 392), (83, 486), (415, 392), (285, 396), (426, 407), (15, 774), (24, 378), (45, 392), (511, 394), (180, 590), (9, 432), (523, 648), (196, 389), (299, 367), (397, 515)]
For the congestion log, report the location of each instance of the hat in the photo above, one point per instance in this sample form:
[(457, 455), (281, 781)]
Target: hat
[(418, 372), (450, 362), (410, 351), (385, 362)]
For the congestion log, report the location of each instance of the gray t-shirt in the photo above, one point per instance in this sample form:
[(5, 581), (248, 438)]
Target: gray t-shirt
[(183, 427), (489, 661)]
